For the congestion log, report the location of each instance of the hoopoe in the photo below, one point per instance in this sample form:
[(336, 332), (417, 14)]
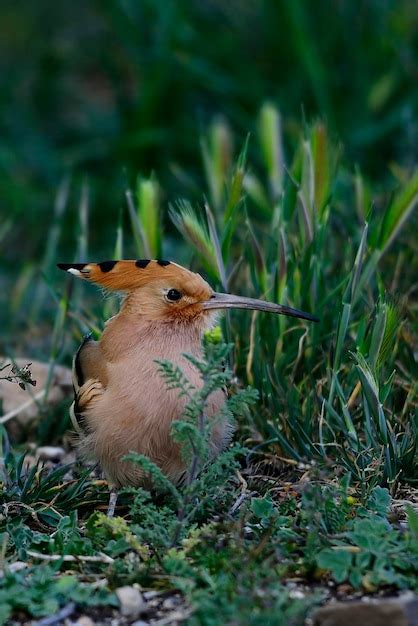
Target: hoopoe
[(121, 402)]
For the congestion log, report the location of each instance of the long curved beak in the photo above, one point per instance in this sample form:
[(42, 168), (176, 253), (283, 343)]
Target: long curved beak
[(228, 301)]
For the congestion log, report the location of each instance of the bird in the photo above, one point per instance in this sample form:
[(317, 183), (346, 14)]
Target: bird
[(121, 402)]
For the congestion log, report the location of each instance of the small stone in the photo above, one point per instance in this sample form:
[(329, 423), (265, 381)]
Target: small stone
[(344, 589), (14, 567), (50, 453), (21, 407), (140, 623), (131, 601), (394, 611), (170, 603), (84, 620), (149, 595)]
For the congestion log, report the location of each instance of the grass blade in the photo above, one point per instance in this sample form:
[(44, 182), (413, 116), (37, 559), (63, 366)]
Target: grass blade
[(148, 212), (351, 291), (195, 233), (217, 158), (270, 134), (377, 336), (217, 247), (341, 334), (138, 232), (398, 212)]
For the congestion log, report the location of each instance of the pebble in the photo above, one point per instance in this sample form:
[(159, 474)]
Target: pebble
[(398, 611), (131, 601), (84, 620), (14, 567), (50, 453), (170, 603)]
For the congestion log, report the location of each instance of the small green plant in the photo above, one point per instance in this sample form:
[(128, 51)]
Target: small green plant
[(371, 553), (19, 375), (31, 490), (38, 592)]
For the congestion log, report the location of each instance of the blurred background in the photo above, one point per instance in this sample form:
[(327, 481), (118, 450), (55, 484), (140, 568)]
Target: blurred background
[(106, 90)]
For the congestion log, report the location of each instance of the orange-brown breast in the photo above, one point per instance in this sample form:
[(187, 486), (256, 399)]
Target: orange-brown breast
[(136, 410)]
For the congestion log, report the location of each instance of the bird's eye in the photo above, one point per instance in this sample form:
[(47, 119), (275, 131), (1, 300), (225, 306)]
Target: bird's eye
[(173, 295)]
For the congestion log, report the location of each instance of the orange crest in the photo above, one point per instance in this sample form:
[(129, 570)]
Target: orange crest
[(129, 275)]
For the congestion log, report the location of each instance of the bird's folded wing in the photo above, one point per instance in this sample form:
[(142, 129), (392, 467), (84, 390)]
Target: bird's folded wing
[(89, 379), (88, 363)]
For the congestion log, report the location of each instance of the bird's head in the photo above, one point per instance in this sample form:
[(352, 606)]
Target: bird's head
[(165, 291)]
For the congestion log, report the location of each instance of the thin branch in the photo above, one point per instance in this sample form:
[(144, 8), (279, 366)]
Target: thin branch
[(8, 416), (65, 612), (70, 558)]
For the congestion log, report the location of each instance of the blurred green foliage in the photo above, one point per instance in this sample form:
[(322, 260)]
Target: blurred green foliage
[(115, 88)]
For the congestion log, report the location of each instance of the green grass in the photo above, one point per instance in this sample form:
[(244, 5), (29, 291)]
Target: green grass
[(326, 439)]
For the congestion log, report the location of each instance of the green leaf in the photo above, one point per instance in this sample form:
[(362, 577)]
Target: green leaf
[(147, 196), (195, 232), (371, 533), (307, 184), (369, 385), (377, 335), (412, 516), (341, 334), (235, 189), (159, 479), (271, 146), (379, 501), (217, 157), (263, 508), (398, 212), (350, 294), (392, 326), (322, 166), (338, 562)]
